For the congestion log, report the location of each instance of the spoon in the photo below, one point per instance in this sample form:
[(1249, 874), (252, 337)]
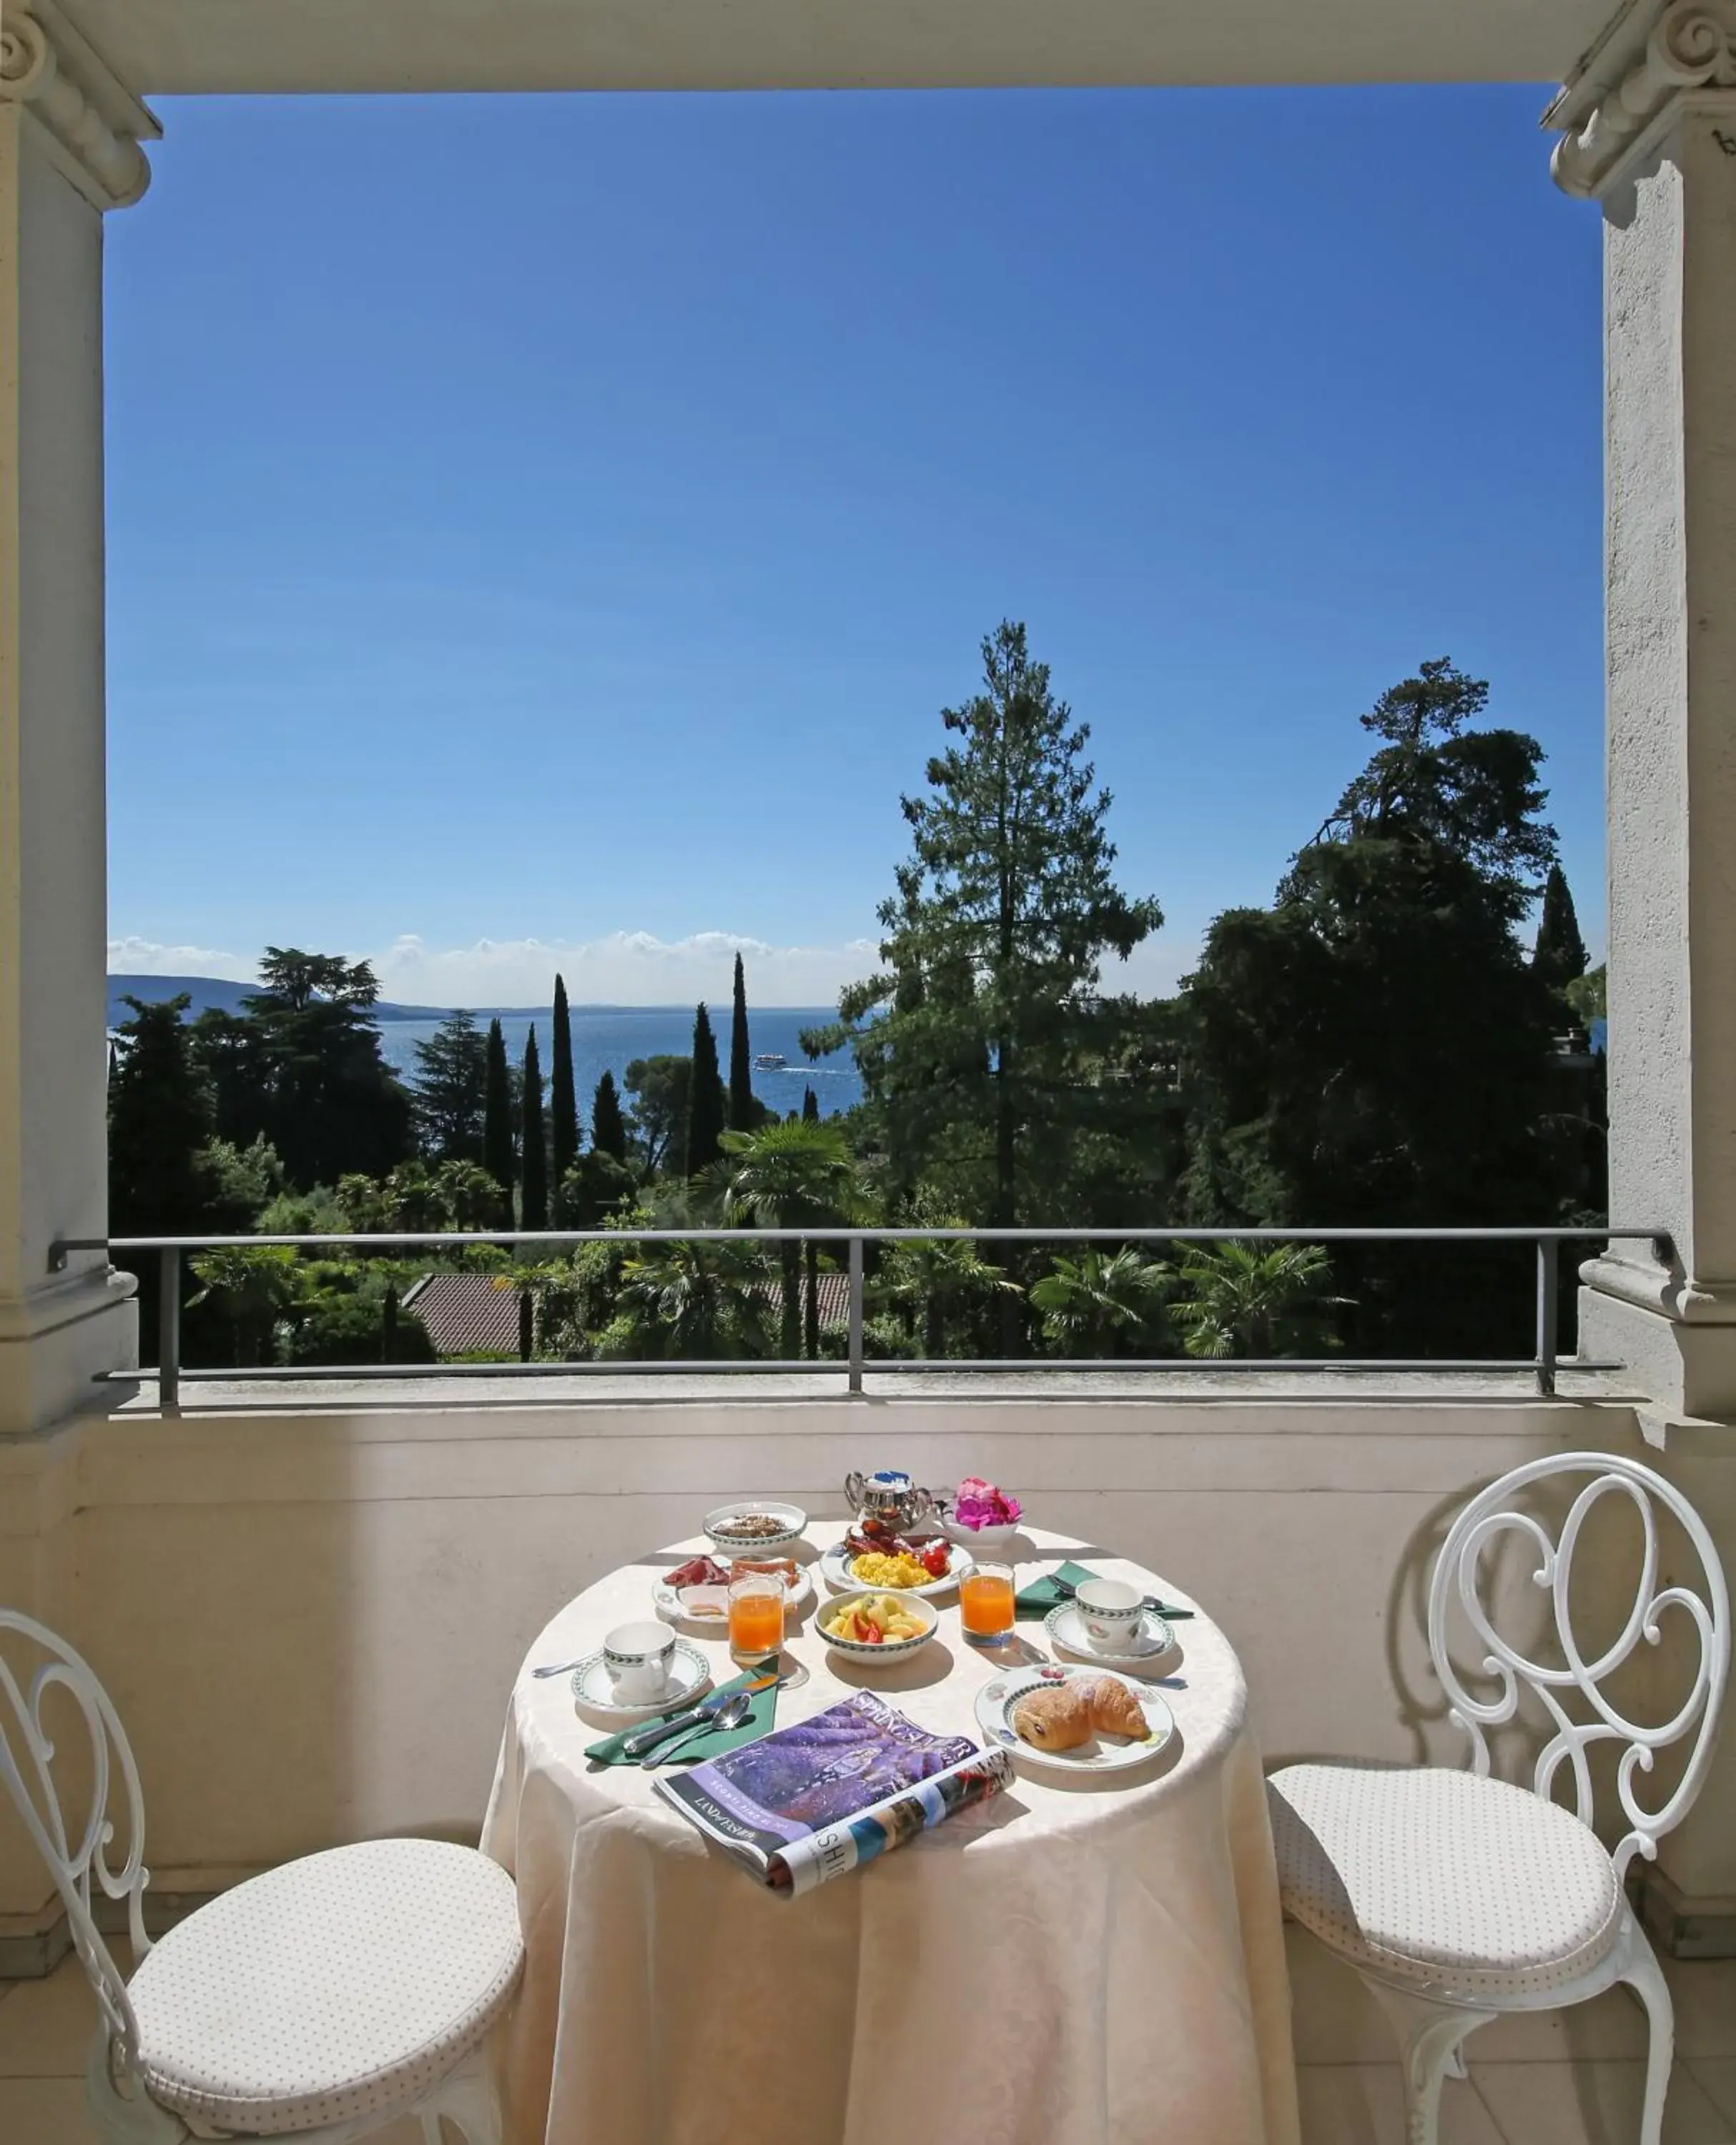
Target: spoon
[(729, 1714), (561, 1668)]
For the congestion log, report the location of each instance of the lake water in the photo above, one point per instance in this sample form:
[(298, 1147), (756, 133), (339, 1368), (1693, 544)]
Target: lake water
[(607, 1039)]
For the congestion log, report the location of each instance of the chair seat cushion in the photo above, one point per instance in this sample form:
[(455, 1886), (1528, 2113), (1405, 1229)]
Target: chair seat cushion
[(1443, 1881), (342, 1984)]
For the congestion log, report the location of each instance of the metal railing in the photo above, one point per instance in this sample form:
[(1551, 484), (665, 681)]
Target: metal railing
[(1544, 1363)]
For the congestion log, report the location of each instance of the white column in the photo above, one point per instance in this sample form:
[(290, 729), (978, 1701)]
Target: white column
[(69, 151), (1650, 131)]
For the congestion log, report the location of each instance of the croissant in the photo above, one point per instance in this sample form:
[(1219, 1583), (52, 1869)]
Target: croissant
[(1061, 1716), (1056, 1717), (1116, 1711)]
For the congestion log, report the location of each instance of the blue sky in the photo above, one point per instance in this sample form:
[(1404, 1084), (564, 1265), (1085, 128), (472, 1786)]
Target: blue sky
[(546, 529)]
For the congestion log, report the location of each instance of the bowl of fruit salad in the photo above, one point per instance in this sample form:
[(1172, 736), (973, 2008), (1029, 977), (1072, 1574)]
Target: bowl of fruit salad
[(980, 1515), (872, 1626)]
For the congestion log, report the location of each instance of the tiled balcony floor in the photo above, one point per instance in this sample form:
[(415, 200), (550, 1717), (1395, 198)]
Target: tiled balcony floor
[(1560, 2078)]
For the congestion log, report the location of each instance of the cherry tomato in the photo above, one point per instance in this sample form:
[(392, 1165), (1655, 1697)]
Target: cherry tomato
[(935, 1559)]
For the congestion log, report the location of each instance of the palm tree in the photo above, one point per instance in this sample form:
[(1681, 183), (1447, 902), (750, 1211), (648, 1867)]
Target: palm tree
[(937, 1278), (1094, 1304), (1247, 1299), (794, 1174), (697, 1300), (251, 1285)]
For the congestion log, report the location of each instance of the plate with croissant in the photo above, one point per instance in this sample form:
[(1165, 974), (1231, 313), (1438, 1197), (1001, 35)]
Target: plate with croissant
[(1072, 1719)]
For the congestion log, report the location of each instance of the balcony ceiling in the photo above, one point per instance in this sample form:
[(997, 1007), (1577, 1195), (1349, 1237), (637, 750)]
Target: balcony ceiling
[(164, 47)]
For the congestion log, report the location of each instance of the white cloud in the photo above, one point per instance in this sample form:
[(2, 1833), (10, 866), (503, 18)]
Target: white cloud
[(627, 967), (145, 956)]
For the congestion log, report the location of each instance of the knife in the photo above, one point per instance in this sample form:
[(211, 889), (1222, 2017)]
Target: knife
[(647, 1738)]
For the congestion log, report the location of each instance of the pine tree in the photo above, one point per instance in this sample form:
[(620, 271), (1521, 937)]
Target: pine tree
[(744, 1111), (810, 1107), (1558, 956), (706, 1104), (160, 1125), (533, 1154), (497, 1154), (451, 1079), (563, 1101), (974, 1040), (608, 1126)]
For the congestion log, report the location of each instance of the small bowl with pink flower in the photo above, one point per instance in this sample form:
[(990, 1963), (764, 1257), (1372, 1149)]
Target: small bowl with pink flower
[(979, 1515)]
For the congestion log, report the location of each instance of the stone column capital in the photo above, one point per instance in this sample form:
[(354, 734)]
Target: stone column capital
[(94, 122), (1652, 57)]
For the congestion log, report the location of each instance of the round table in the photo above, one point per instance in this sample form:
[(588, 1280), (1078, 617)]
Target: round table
[(1090, 1963)]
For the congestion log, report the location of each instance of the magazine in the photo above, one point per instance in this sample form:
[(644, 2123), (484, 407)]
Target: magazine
[(811, 1802)]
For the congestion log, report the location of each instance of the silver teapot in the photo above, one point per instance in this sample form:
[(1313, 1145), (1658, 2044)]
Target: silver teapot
[(891, 1497)]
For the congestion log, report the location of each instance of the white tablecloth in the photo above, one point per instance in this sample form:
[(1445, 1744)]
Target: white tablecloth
[(1088, 1963)]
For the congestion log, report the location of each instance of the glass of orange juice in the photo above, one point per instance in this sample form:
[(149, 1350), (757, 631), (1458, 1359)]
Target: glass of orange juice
[(985, 1604), (756, 1616)]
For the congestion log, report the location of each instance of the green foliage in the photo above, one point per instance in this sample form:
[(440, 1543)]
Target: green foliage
[(315, 1213), (241, 1184), (595, 1187), (790, 1176), (562, 1102), (534, 1185), (1104, 1303), (1256, 1300), (307, 1070), (341, 1330), (971, 1039), (249, 1286), (498, 1158), (1474, 793), (608, 1127), (693, 1301), (941, 1286), (706, 1108), (1558, 956), (1375, 1049), (746, 1111), (810, 1107), (447, 1093), (454, 1195), (161, 1119), (661, 1087), (1588, 996)]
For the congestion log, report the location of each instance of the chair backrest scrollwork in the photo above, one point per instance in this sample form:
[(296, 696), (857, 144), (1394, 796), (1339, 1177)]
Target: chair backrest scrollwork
[(1492, 1514), (75, 1853)]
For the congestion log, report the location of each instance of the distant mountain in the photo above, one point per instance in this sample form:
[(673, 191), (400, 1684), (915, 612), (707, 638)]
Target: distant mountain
[(227, 997), (204, 991)]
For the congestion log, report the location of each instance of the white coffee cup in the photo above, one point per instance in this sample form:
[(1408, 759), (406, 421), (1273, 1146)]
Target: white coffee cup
[(1110, 1611), (637, 1658)]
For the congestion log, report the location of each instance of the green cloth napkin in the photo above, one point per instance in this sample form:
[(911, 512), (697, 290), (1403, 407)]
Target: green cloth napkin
[(1033, 1602), (715, 1740)]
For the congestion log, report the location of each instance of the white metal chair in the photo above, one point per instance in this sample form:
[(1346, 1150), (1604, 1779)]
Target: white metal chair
[(325, 1998), (1457, 1897)]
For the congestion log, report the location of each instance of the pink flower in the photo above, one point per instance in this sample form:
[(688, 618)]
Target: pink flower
[(980, 1504)]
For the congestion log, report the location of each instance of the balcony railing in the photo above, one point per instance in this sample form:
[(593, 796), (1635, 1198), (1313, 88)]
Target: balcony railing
[(1543, 1363)]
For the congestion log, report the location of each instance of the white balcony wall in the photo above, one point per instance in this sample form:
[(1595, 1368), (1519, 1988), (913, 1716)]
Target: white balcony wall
[(310, 1618)]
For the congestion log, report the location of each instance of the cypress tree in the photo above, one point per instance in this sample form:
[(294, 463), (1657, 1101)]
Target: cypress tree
[(705, 1110), (608, 1127), (497, 1156), (534, 1158), (810, 1107), (744, 1109), (562, 1102), (1558, 956)]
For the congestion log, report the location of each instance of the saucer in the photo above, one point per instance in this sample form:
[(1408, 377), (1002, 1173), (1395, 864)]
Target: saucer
[(689, 1672), (1153, 1639)]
